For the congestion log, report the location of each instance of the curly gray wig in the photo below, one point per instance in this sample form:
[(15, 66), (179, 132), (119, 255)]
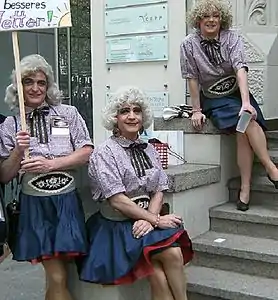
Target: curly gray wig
[(126, 95), (208, 7), (29, 65)]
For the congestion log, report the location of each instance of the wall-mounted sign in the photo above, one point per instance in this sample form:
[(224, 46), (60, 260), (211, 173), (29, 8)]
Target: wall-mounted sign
[(141, 19), (122, 3), (137, 48), (158, 100), (18, 15)]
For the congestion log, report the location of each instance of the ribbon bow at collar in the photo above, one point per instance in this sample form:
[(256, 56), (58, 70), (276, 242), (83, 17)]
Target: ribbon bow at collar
[(37, 123), (139, 146), (139, 158), (212, 48), (177, 111)]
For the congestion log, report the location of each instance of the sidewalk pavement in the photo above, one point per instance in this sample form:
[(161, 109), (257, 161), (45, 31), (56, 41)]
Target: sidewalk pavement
[(21, 281)]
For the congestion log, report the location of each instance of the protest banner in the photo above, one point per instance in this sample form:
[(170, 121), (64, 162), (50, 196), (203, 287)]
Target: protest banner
[(18, 15)]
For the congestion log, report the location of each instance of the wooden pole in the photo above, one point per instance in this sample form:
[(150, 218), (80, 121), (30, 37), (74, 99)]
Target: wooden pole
[(19, 86)]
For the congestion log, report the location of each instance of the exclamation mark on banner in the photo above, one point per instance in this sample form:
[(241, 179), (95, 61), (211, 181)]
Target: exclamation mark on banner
[(49, 16)]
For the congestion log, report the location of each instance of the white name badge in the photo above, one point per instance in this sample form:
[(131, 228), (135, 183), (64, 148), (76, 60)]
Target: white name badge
[(59, 126)]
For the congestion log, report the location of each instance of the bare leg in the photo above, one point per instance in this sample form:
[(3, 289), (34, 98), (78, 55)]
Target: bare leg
[(159, 285), (257, 141), (245, 157), (56, 280), (172, 262)]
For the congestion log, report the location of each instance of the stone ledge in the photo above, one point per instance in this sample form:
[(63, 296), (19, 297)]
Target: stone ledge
[(189, 176), (183, 124)]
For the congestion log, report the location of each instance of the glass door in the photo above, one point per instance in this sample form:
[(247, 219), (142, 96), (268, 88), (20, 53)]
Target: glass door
[(74, 61)]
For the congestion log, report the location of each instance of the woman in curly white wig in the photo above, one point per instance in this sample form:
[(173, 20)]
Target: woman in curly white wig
[(214, 63), (126, 96), (129, 239), (29, 65), (51, 225)]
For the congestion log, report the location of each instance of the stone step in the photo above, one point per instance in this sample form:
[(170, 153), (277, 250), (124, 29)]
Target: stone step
[(237, 253), (258, 168), (272, 139), (219, 284), (262, 191), (197, 296), (259, 221), (188, 176), (273, 153)]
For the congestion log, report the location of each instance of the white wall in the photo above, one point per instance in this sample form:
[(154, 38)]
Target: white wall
[(149, 76)]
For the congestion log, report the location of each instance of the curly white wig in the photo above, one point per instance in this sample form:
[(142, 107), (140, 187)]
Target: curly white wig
[(131, 96), (29, 65)]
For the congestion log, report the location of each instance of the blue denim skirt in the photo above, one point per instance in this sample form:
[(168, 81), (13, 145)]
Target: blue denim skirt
[(115, 257), (223, 112), (50, 227)]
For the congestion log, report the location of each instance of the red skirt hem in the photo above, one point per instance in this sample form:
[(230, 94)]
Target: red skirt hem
[(57, 255), (144, 268)]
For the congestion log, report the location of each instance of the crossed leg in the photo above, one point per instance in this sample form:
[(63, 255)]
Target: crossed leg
[(168, 281)]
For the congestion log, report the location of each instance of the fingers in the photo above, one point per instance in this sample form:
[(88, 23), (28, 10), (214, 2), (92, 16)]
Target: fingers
[(141, 228), (138, 230), (198, 121), (37, 159), (173, 221), (143, 232), (174, 216), (23, 141), (31, 165), (22, 134)]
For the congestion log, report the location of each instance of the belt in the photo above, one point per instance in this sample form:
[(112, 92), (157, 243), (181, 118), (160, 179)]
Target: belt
[(52, 183), (108, 212), (222, 87)]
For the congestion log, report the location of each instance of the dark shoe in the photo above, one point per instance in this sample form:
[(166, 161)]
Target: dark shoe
[(275, 182), (241, 205)]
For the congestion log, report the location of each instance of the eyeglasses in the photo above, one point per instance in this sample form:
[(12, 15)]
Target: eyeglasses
[(30, 82), (215, 16), (127, 110)]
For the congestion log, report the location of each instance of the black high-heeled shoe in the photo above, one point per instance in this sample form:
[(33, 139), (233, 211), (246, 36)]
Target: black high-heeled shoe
[(275, 182), (241, 205)]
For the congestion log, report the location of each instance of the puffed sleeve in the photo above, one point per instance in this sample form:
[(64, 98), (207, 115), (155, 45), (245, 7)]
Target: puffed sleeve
[(7, 137), (237, 52), (79, 132), (105, 178), (162, 184), (188, 65)]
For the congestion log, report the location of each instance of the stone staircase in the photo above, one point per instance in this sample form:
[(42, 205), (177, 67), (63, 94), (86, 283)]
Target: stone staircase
[(237, 258)]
